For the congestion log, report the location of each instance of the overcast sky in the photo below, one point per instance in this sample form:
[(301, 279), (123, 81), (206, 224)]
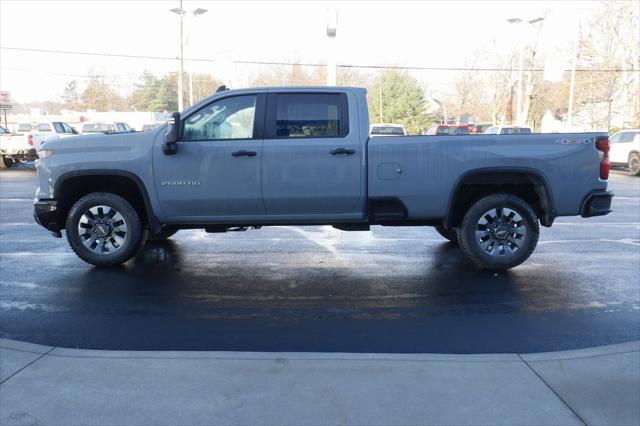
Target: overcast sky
[(430, 33)]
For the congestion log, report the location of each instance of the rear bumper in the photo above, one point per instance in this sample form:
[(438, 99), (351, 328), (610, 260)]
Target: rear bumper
[(47, 214), (597, 203)]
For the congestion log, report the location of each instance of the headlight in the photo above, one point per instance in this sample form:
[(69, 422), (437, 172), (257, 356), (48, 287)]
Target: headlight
[(44, 153)]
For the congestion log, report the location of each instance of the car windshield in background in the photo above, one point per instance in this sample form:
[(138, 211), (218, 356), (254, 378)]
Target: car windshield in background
[(387, 130), (44, 127), (24, 127), (98, 128)]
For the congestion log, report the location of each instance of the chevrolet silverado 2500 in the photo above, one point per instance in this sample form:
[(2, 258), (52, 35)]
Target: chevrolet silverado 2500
[(303, 156)]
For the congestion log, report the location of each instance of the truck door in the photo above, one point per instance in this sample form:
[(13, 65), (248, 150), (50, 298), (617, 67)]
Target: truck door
[(312, 161), (216, 170)]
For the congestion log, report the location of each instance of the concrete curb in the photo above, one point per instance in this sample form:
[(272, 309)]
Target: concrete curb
[(314, 356), (51, 385)]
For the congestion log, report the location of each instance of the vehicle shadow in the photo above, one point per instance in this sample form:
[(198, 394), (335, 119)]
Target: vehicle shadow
[(444, 281)]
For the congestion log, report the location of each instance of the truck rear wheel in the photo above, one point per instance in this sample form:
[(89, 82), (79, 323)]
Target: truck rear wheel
[(103, 229), (499, 231), (450, 234)]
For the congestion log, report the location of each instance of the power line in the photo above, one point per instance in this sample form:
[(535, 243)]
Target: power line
[(304, 64)]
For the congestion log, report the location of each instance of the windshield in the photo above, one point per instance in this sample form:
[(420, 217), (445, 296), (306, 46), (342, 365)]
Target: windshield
[(387, 130)]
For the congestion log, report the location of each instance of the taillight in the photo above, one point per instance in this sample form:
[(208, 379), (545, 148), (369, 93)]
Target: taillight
[(603, 146), (30, 140)]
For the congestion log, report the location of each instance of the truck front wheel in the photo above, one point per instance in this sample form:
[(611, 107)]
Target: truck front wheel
[(500, 231), (103, 229)]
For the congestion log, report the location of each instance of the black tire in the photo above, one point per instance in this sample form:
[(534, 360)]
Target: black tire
[(164, 234), (450, 234), (132, 241), (634, 163), (505, 241)]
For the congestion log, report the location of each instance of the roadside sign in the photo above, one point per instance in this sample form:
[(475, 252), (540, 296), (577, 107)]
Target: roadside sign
[(5, 100)]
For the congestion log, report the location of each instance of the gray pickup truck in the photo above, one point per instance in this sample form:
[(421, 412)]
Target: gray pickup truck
[(302, 156)]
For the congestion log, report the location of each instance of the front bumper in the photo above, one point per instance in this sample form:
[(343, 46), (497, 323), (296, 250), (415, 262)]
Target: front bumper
[(47, 214), (597, 203)]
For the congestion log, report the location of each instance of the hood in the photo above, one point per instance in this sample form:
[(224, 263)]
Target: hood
[(101, 142)]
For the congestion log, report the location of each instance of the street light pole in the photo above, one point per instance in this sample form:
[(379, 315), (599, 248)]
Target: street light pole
[(180, 11), (519, 117), (332, 30), (195, 13)]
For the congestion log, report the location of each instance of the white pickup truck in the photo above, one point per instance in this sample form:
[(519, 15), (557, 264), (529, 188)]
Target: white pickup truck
[(19, 147)]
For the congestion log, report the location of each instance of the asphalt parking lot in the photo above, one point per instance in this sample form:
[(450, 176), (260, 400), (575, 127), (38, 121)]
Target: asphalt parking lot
[(323, 290)]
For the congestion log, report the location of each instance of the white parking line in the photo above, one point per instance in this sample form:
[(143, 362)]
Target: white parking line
[(598, 223), (322, 243), (15, 199), (627, 241)]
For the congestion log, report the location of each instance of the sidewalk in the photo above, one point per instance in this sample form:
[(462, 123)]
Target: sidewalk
[(46, 385)]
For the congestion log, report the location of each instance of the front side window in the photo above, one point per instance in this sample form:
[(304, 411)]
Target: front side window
[(310, 115), (229, 118), (66, 128), (58, 127)]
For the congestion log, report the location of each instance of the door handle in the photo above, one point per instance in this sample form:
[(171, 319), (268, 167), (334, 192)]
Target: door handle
[(339, 151), (244, 153)]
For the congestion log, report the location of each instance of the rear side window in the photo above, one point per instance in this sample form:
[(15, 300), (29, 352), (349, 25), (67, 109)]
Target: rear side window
[(309, 115), (44, 127)]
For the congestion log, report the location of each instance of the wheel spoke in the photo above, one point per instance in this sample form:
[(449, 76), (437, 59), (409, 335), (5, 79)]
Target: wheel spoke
[(102, 229), (500, 231)]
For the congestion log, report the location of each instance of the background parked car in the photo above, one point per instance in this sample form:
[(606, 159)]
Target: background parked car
[(451, 130), (387, 130), (507, 130), (625, 150), (115, 127), (24, 128)]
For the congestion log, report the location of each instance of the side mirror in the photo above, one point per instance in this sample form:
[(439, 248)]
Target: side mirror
[(170, 146), (74, 131)]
